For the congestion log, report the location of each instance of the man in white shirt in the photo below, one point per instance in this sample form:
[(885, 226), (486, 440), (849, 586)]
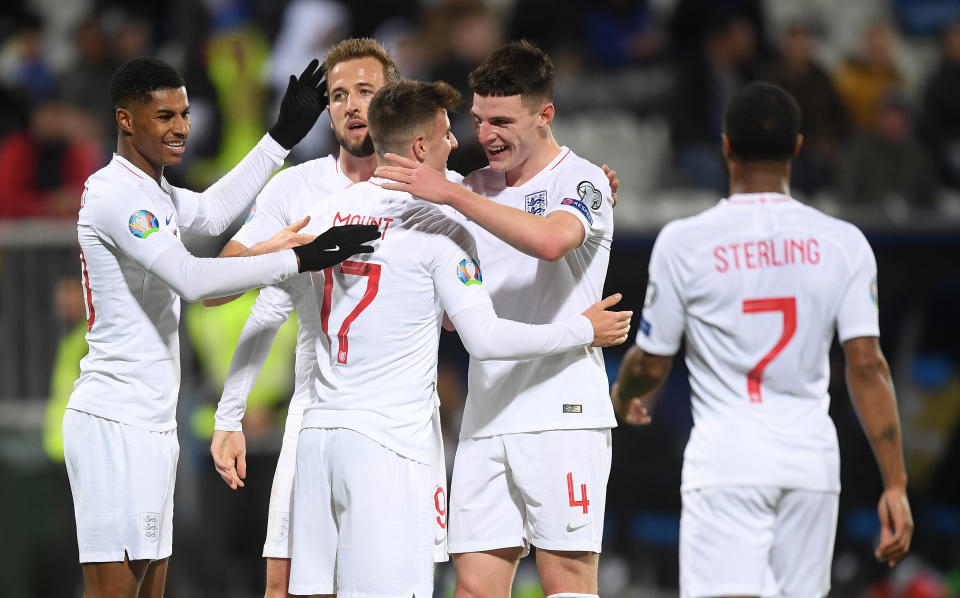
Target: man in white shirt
[(534, 453), (119, 428), (757, 285), (356, 69)]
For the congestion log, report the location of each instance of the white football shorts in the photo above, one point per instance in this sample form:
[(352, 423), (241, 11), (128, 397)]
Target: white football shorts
[(277, 544), (542, 488), (362, 519), (122, 480), (749, 541)]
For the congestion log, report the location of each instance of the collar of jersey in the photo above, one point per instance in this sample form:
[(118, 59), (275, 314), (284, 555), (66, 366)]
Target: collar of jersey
[(143, 176), (758, 198), (564, 152)]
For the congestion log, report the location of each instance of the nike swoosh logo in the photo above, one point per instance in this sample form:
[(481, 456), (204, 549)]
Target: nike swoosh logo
[(573, 528), (169, 218), (334, 248)]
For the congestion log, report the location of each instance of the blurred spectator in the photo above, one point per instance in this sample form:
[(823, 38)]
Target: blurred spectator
[(622, 32), (86, 84), (43, 167), (940, 120), (22, 61), (705, 84), (70, 311), (887, 166), (865, 79), (309, 29), (462, 35), (693, 22), (825, 120)]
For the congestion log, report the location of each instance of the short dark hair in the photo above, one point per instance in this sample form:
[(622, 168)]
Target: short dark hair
[(362, 47), (762, 122), (398, 112), (518, 68), (134, 80)]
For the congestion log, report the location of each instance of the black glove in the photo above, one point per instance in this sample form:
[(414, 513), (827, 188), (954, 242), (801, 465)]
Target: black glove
[(335, 245), (301, 106)]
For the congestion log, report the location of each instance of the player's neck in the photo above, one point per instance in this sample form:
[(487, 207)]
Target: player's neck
[(126, 151), (542, 154), (355, 168), (760, 178)]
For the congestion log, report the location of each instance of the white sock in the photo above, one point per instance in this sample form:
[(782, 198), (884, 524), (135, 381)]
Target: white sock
[(572, 595)]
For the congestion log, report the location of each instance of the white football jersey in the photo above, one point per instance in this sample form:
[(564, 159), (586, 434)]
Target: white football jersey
[(289, 196), (757, 285), (131, 373), (380, 316), (563, 391)]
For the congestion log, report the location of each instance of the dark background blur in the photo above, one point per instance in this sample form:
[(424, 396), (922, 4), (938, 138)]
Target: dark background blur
[(641, 86)]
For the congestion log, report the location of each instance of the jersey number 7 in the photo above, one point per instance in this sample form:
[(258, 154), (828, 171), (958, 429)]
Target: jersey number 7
[(786, 305), (372, 272)]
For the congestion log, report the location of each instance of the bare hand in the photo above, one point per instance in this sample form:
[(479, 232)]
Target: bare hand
[(632, 410), (288, 238), (614, 182), (413, 177), (229, 450), (896, 525), (609, 327)]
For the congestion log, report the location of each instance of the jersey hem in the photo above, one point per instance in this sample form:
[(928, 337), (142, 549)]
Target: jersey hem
[(525, 430), (149, 427)]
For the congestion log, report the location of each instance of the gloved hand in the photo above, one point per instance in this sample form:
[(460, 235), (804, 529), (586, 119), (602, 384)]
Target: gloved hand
[(335, 245), (301, 106)]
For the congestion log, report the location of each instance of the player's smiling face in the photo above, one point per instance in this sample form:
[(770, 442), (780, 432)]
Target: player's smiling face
[(507, 129), (351, 85), (159, 127)]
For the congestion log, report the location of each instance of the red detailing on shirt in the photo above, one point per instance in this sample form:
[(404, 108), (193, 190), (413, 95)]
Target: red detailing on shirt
[(560, 160), (91, 313), (129, 169), (761, 199), (381, 221), (769, 253)]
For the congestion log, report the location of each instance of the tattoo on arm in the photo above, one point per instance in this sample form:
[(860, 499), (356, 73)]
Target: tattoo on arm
[(889, 433)]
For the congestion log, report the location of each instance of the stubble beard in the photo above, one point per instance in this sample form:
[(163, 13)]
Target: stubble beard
[(358, 149)]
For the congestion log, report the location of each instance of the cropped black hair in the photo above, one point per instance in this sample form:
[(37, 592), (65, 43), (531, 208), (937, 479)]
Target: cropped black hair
[(762, 122), (518, 68), (134, 80)]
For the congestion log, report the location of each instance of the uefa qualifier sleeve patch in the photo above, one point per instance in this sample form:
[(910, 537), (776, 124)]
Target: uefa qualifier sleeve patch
[(143, 223), (468, 271)]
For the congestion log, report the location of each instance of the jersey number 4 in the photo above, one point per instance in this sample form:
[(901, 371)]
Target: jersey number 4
[(788, 307), (372, 272)]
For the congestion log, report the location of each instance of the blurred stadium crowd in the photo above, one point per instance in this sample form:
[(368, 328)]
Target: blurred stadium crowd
[(641, 85)]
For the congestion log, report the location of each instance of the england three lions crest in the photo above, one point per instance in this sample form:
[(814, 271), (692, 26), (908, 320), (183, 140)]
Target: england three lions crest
[(536, 203), (150, 526)]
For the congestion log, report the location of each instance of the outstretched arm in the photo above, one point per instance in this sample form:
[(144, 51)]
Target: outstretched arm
[(486, 336), (548, 238), (871, 390)]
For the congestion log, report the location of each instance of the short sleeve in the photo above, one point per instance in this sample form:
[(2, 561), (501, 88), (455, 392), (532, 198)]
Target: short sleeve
[(585, 193), (457, 275), (133, 223), (858, 314), (662, 319), (268, 213)]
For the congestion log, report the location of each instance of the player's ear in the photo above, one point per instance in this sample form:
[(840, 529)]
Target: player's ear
[(725, 147), (419, 148), (124, 121), (796, 149), (547, 112)]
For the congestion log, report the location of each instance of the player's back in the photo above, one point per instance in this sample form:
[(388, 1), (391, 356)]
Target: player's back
[(380, 317), (762, 282)]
